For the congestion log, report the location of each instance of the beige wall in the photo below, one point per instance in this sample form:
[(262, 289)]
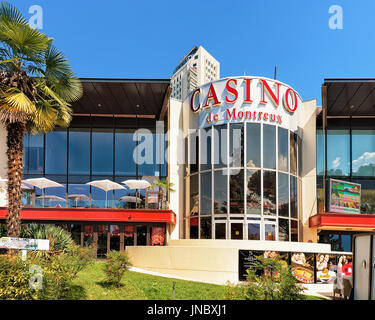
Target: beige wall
[(213, 261), (308, 126)]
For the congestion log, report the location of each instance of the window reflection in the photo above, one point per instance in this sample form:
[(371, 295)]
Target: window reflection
[(269, 193), (236, 192), (124, 146), (338, 152), (236, 138), (194, 228), (129, 235), (269, 232), (220, 230), (206, 139), (56, 152), (205, 228), (253, 231), (194, 195), (254, 198), (206, 193), (102, 151), (283, 158), (283, 195), (283, 230), (34, 153), (79, 151), (293, 197), (269, 146), (78, 196), (221, 146), (363, 153), (220, 192), (293, 153), (253, 145)]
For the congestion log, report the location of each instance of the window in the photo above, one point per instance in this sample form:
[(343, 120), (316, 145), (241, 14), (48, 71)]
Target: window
[(293, 197), (283, 230), (206, 193), (253, 145), (56, 152), (221, 146), (236, 145), (253, 197), (293, 153), (253, 231), (283, 149), (283, 195), (206, 138), (79, 151), (319, 151), (124, 149), (205, 228), (338, 152), (194, 195), (236, 191), (269, 232), (34, 153), (269, 146), (363, 153), (220, 192), (269, 193), (102, 151)]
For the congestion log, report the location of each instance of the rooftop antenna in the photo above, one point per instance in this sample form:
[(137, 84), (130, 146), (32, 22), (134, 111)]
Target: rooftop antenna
[(275, 73)]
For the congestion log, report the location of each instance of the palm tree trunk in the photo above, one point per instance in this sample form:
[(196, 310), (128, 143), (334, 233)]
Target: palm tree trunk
[(15, 171)]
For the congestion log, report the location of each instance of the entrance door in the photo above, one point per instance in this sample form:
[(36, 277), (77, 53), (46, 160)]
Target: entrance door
[(236, 231), (220, 230), (141, 235)]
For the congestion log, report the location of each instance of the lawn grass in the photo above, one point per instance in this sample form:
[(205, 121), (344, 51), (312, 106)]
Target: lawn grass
[(90, 285)]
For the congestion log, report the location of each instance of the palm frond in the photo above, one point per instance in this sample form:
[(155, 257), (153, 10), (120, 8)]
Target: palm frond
[(8, 13), (45, 117), (18, 101), (68, 88)]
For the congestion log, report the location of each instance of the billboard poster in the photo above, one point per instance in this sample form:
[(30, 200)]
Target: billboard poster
[(23, 244), (303, 266), (326, 268), (345, 197)]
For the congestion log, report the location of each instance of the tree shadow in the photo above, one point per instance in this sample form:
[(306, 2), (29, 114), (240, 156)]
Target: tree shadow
[(109, 285), (76, 292)]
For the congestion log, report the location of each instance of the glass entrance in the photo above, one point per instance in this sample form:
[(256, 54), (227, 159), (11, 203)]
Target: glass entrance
[(114, 231), (102, 240), (141, 235)]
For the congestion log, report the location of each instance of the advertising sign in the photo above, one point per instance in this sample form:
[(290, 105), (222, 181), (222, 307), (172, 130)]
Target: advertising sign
[(345, 197), (23, 244), (246, 261), (246, 99), (326, 268), (303, 266)]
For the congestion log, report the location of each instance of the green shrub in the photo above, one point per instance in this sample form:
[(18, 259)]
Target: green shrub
[(116, 264), (59, 239), (234, 292), (275, 281), (60, 270), (14, 279)]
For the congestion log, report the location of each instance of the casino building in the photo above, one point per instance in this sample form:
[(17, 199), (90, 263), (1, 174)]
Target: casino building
[(250, 160)]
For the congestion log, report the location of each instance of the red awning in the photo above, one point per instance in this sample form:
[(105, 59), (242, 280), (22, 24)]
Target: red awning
[(93, 215), (343, 221)]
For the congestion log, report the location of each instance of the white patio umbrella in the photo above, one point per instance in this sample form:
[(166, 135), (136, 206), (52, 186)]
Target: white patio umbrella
[(4, 185), (42, 183), (51, 198), (130, 199), (137, 184), (78, 197), (106, 185)]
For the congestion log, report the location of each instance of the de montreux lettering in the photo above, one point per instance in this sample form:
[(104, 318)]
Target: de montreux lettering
[(290, 101)]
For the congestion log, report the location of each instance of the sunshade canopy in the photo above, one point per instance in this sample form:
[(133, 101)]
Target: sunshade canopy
[(42, 183), (105, 185), (137, 184)]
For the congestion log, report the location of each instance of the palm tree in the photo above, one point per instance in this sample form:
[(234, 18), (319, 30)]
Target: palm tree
[(36, 89), (163, 185)]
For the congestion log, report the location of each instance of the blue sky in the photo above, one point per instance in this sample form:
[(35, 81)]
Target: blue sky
[(146, 39)]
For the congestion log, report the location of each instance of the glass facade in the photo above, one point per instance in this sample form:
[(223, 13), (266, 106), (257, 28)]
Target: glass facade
[(249, 190), (93, 148), (349, 146)]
